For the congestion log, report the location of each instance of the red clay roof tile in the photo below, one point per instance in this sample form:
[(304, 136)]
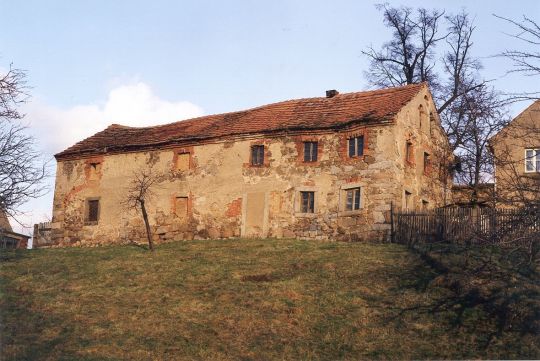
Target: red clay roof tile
[(290, 115)]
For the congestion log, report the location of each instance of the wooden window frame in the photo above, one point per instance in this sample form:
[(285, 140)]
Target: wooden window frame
[(353, 148), (257, 151), (307, 199), (87, 220), (311, 151), (355, 196)]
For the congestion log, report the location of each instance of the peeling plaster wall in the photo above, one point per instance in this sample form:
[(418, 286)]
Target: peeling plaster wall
[(225, 192), (515, 186)]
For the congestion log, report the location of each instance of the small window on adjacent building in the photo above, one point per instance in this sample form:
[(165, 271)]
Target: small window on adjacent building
[(409, 154), (182, 161), (352, 200), (532, 160), (93, 210), (307, 204), (427, 161), (310, 151), (181, 207), (257, 154), (356, 146), (408, 204)]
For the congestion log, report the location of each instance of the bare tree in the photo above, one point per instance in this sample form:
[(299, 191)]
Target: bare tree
[(12, 93), (476, 117), (140, 192), (411, 55), (435, 47), (527, 61), (21, 171)]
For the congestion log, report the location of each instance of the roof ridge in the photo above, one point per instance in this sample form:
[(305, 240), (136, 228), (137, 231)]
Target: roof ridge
[(380, 91)]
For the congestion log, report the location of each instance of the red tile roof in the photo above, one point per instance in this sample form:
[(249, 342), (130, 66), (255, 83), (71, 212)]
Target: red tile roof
[(287, 116)]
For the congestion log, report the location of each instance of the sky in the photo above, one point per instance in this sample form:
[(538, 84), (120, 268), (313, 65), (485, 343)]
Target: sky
[(94, 63)]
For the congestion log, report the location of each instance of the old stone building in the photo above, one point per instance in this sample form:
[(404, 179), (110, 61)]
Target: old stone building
[(318, 168), (516, 150)]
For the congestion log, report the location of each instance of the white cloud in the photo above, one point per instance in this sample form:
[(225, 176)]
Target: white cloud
[(57, 128), (134, 105)]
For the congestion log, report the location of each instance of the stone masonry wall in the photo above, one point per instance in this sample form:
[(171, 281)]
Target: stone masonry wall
[(222, 195)]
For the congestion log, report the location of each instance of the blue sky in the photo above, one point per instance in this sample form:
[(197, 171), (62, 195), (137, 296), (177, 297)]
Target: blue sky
[(91, 63)]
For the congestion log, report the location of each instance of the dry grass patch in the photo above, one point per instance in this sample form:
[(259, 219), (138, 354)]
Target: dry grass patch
[(244, 299)]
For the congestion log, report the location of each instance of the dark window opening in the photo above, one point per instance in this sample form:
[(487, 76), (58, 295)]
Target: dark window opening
[(356, 146), (93, 210), (426, 162), (308, 202), (353, 199), (257, 155), (310, 151)]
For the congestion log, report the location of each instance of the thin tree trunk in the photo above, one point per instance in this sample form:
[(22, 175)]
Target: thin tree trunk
[(147, 225)]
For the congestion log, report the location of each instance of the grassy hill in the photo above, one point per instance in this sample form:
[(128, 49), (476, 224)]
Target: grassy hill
[(265, 299)]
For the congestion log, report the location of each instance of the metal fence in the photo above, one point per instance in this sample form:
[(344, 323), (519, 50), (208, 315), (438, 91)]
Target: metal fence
[(467, 226)]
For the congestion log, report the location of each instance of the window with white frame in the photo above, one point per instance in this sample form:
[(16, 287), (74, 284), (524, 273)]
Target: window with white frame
[(532, 160)]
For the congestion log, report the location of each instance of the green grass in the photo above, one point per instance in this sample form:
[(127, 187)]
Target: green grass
[(265, 299)]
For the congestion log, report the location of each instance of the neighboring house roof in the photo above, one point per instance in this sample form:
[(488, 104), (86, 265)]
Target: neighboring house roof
[(293, 115), (4, 222)]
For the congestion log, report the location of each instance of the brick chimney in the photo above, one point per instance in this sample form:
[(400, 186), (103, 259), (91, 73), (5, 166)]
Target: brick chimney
[(331, 93)]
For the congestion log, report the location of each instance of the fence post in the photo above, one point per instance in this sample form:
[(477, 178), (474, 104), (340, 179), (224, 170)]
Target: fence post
[(392, 230)]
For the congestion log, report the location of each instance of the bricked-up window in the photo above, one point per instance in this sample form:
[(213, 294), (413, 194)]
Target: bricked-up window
[(532, 160), (409, 154), (257, 154), (307, 204), (182, 161), (427, 161), (356, 146), (352, 200), (408, 204), (310, 151), (93, 210), (181, 207)]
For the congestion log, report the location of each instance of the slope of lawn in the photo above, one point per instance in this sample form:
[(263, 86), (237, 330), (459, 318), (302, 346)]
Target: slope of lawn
[(265, 299)]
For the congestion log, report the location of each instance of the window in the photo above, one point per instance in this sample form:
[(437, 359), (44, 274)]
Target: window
[(307, 204), (532, 160), (310, 151), (409, 154), (431, 120), (182, 161), (427, 161), (93, 210), (257, 155), (352, 200), (408, 196), (181, 207), (425, 205), (356, 146)]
